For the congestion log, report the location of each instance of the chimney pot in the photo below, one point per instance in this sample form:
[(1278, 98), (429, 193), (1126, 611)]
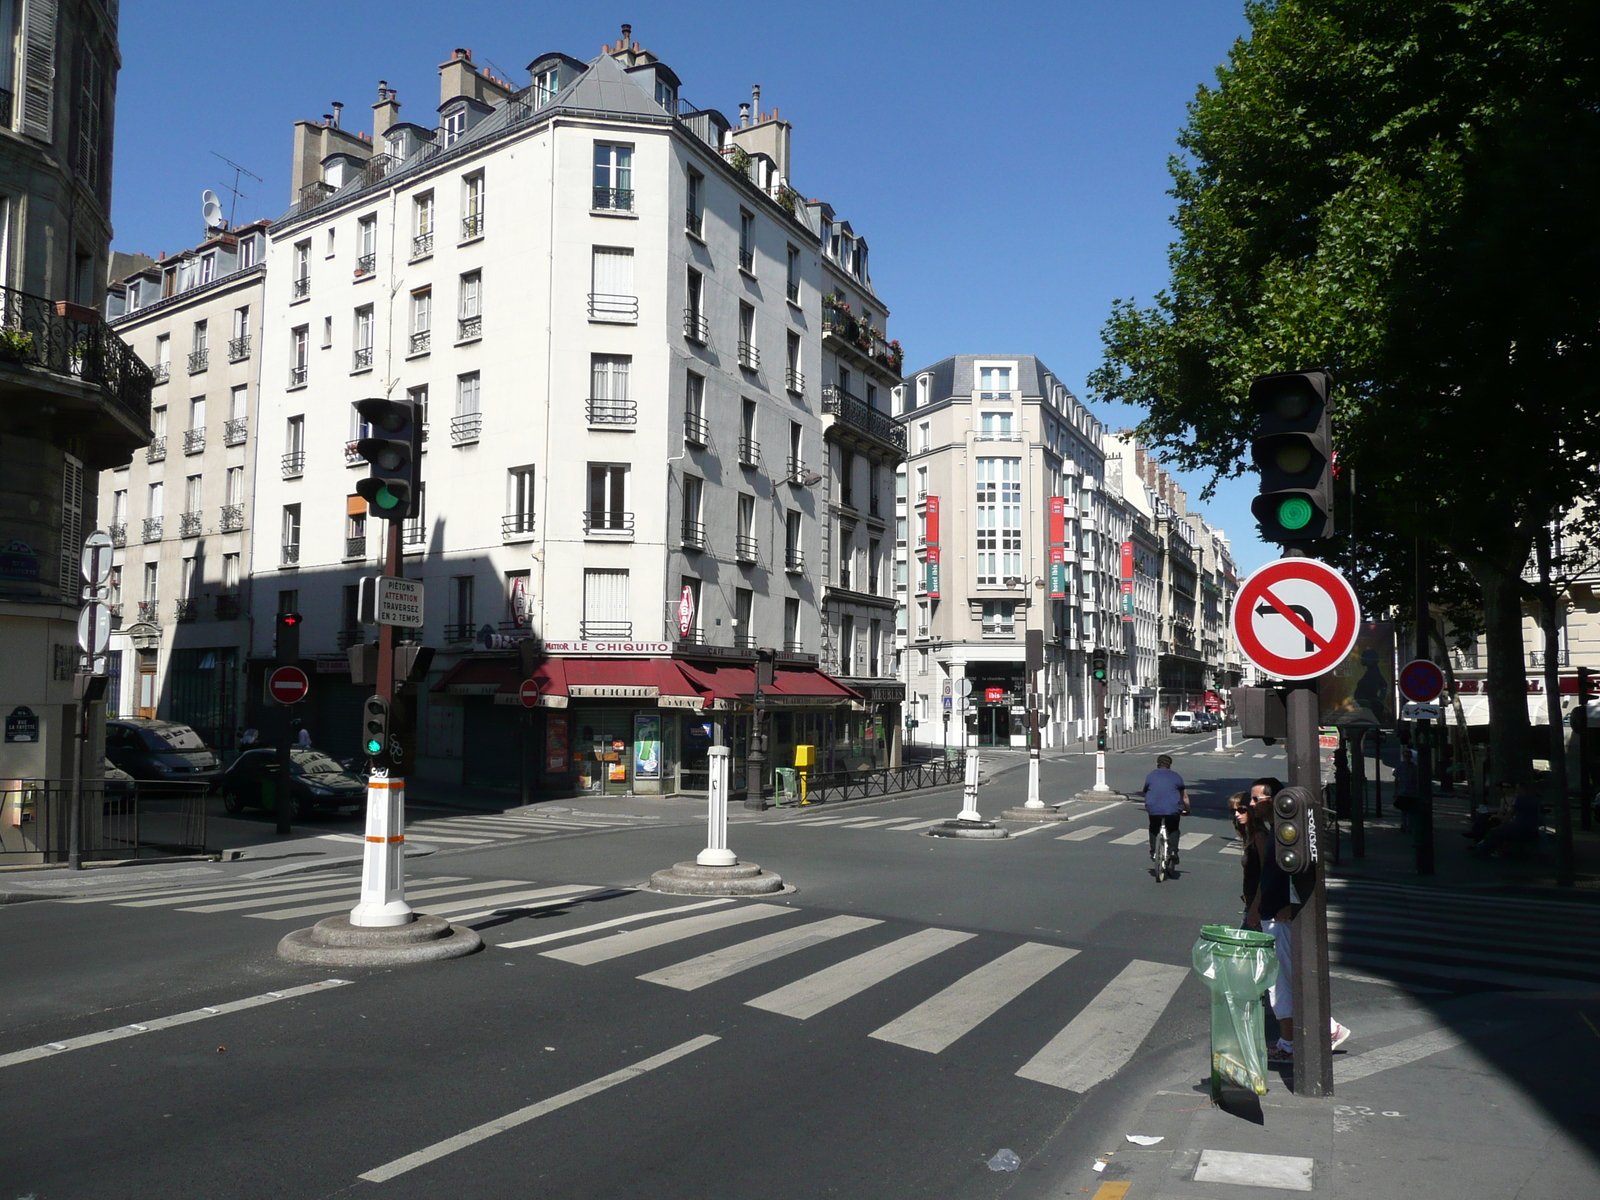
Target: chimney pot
[(338, 112), (627, 34)]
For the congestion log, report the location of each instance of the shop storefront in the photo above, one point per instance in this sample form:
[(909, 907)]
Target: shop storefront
[(998, 713)]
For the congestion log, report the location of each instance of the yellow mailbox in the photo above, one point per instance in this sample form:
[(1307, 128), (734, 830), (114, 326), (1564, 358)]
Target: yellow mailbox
[(805, 758)]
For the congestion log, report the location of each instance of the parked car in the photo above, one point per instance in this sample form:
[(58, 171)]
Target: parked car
[(1184, 722), (160, 752), (120, 790), (316, 782), (1209, 720)]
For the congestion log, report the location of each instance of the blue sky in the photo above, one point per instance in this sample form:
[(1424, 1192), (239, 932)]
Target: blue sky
[(1006, 161)]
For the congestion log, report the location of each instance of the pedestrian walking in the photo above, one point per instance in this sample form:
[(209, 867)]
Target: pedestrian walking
[(1272, 910), (1405, 788)]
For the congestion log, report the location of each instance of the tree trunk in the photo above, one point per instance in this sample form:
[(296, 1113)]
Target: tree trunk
[(1474, 778), (1510, 735), (1550, 620)]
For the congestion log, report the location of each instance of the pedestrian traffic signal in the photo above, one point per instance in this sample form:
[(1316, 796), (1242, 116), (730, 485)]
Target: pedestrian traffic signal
[(1293, 451), (375, 727), (394, 450), (1098, 666), (1293, 810), (286, 649)]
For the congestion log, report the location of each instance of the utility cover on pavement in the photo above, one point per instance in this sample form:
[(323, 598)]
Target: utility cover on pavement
[(1255, 1170), (1296, 618)]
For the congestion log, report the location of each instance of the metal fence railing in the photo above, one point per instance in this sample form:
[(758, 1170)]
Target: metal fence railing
[(118, 821), (1126, 739), (822, 787)]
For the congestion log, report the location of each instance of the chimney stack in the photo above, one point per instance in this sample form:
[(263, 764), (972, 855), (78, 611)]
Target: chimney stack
[(386, 112), (755, 103), (338, 112), (744, 116)]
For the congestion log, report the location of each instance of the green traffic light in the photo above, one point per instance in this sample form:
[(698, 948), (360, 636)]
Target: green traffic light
[(1295, 513), (387, 499), (374, 746)]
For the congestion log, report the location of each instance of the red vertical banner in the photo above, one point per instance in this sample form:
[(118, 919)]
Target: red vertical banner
[(932, 510), (1058, 520), (1127, 560)]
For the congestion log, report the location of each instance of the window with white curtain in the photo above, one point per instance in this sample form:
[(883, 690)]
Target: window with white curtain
[(605, 603), (997, 516)]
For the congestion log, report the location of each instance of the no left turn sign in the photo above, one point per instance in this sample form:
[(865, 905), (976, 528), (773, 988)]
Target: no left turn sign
[(1296, 618)]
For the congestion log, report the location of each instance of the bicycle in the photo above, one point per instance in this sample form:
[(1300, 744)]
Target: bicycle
[(1166, 854)]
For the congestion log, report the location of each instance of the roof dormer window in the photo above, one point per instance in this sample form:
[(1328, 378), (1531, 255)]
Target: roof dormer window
[(545, 86), (666, 94), (453, 125)]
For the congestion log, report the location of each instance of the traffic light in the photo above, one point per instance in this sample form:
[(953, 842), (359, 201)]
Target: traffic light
[(1293, 450), (287, 646), (1293, 810), (394, 451), (1097, 666), (375, 727)]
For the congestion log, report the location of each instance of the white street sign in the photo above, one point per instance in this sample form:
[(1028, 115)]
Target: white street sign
[(399, 602), (1296, 618), (1420, 712), (963, 687), (95, 562), (94, 629)]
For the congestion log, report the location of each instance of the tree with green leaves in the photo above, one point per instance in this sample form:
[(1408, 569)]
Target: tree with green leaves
[(1403, 191)]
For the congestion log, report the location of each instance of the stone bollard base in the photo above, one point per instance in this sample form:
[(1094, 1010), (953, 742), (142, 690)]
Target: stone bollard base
[(335, 942), (1089, 795), (693, 879), (1033, 814), (968, 829)]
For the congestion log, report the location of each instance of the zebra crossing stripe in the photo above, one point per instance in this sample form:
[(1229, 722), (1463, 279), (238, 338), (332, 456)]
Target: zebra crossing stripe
[(940, 1020), (490, 903), (181, 897), (879, 821), (611, 924), (821, 991), (720, 964), (1089, 812), (921, 825), (429, 836), (532, 905), (1100, 1040), (1359, 1066), (319, 910), (1135, 838), (1084, 834), (618, 944), (1189, 841)]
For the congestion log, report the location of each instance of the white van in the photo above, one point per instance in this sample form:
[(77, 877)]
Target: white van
[(1184, 722)]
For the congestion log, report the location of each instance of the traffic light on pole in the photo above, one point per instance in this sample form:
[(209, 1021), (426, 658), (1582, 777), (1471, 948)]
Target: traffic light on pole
[(1293, 450), (375, 727), (393, 448), (1097, 666), (286, 649), (1292, 814)]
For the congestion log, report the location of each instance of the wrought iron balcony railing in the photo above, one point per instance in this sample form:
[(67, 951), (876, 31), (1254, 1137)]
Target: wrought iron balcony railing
[(696, 429), (421, 341), (184, 611), (472, 226), (235, 431), (152, 529), (465, 428), (228, 607), (156, 451), (301, 288), (613, 199), (422, 244), (516, 526), (795, 381), (695, 326), (744, 641), (355, 547), (749, 356), (119, 534), (790, 646), (361, 359), (198, 361), (290, 555), (792, 289), (606, 306), (149, 611), (796, 470), (610, 522), (606, 629), (232, 519), (694, 535), (414, 533), (694, 222), (613, 412), (194, 441), (160, 373), (68, 339), (239, 348), (794, 560), (297, 377), (294, 464), (747, 260), (190, 524), (469, 328), (749, 452), (366, 264), (459, 631), (746, 548), (863, 416)]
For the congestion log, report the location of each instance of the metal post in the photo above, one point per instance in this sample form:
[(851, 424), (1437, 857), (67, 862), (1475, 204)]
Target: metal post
[(1580, 731), (1358, 807), (716, 853), (75, 814), (383, 879), (1424, 737), (756, 758), (1100, 784), (1313, 1067), (1377, 776), (1034, 666)]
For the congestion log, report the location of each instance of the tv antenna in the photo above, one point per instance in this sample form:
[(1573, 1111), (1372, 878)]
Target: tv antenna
[(237, 194)]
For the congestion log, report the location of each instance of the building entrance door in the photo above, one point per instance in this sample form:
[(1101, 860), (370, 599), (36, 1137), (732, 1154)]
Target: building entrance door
[(994, 725)]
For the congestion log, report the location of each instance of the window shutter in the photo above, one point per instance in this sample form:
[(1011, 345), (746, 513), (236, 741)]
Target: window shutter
[(39, 65), (613, 272), (71, 526), (605, 596)]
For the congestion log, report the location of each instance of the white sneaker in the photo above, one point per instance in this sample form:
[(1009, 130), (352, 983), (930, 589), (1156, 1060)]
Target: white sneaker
[(1341, 1035)]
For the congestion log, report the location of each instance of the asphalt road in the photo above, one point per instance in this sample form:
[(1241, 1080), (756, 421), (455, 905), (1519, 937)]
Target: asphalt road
[(913, 1007)]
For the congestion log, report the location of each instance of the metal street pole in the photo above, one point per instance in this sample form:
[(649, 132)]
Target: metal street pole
[(1358, 804), (1313, 1052), (1100, 784), (1034, 665), (756, 757), (1424, 737)]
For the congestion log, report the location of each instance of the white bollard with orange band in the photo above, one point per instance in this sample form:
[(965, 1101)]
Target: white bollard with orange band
[(383, 873)]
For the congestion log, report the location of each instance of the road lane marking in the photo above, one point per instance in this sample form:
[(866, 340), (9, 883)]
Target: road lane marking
[(506, 910), (941, 1019), (921, 825), (876, 821), (312, 910), (283, 889), (1039, 828), (1089, 812), (611, 924), (618, 944), (720, 964), (1084, 834), (815, 993), (1135, 838), (1189, 841), (505, 899), (183, 1018), (1100, 1040), (533, 1111)]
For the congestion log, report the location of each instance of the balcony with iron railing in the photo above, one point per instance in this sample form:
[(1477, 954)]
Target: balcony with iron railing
[(366, 264), (749, 452), (696, 429), (745, 548), (185, 611), (608, 306), (693, 637), (239, 348), (612, 524), (744, 641), (190, 524), (297, 377), (613, 199), (469, 329), (355, 547), (749, 356), (199, 360), (459, 631), (843, 327), (156, 451), (795, 470), (693, 536), (118, 534), (152, 529), (194, 441), (352, 454), (300, 287), (413, 533), (465, 428), (596, 630), (695, 326), (361, 359), (471, 226), (294, 464), (862, 416), (235, 431), (232, 519), (694, 221), (149, 612), (289, 555), (747, 260), (792, 291), (612, 413), (794, 560), (422, 245), (421, 341), (160, 373), (794, 381), (517, 527), (1537, 658)]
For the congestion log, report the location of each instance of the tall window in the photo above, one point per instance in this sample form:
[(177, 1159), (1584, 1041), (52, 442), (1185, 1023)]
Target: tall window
[(419, 397), (695, 327), (241, 322), (468, 421), (694, 217), (999, 618), (421, 320), (791, 624), (747, 240), (874, 648), (453, 125), (608, 388), (233, 492), (469, 314), (847, 478), (874, 553), (605, 604), (694, 408), (793, 379), (519, 500), (152, 582), (361, 359), (613, 177), (153, 502), (749, 357), (366, 245), (744, 602), (797, 461), (847, 559), (847, 645), (924, 436), (922, 483), (299, 347), (994, 383), (694, 530), (230, 572), (291, 533), (545, 85), (422, 225), (793, 553), (995, 422), (119, 507), (792, 275), (197, 415), (247, 252), (301, 270), (472, 200), (163, 354), (191, 494), (998, 519), (746, 544), (612, 295), (608, 498), (463, 597)]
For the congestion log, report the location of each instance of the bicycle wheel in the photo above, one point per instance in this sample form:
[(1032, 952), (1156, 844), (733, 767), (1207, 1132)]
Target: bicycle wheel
[(1161, 854)]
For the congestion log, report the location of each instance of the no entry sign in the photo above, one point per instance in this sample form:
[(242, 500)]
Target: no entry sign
[(1296, 618), (288, 685), (528, 693), (1421, 680)]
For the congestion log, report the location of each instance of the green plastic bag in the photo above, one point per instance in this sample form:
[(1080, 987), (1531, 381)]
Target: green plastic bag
[(1237, 965)]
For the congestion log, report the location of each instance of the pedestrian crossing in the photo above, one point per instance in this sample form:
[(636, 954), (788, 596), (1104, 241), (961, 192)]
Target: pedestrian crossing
[(1463, 939), (1085, 833), (479, 829)]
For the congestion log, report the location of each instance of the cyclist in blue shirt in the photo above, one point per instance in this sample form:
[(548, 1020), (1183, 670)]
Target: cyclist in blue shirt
[(1165, 800)]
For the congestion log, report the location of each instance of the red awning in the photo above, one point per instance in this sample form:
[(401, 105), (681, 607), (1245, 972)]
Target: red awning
[(575, 678), (480, 677), (791, 683)]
